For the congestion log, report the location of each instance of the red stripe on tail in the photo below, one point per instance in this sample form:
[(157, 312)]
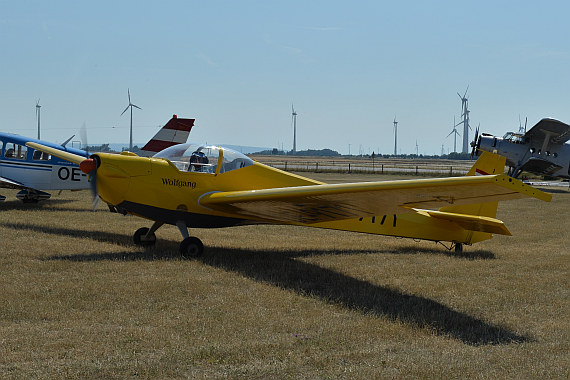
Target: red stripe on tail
[(180, 124), (157, 145), (480, 172)]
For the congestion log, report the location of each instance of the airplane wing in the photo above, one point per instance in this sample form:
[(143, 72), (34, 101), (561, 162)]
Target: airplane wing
[(7, 182), (558, 131), (321, 203), (539, 165), (71, 157)]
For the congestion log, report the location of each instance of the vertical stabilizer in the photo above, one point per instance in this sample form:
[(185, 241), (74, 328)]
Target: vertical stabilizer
[(175, 132), (487, 164)]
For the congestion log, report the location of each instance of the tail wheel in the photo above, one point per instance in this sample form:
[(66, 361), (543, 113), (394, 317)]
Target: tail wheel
[(458, 248), (191, 247), (141, 239)]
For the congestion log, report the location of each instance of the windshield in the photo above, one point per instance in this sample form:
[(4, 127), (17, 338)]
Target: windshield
[(513, 137), (204, 158)]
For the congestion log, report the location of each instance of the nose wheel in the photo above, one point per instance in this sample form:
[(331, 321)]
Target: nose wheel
[(143, 238)]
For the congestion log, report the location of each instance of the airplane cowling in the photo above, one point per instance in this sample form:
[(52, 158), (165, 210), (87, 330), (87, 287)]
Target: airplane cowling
[(114, 175)]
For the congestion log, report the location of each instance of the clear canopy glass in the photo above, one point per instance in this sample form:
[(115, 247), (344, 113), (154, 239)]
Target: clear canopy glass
[(204, 158), (513, 137)]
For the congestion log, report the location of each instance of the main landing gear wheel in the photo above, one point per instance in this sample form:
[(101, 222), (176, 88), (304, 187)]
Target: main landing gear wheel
[(458, 248), (140, 237), (191, 247)]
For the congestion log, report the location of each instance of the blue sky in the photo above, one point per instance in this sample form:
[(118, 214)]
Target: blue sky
[(236, 66)]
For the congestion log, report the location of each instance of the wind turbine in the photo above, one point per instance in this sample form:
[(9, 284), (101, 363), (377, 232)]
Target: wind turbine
[(417, 155), (294, 121), (131, 105), (465, 115), (521, 130), (454, 131), (395, 137), (38, 107)]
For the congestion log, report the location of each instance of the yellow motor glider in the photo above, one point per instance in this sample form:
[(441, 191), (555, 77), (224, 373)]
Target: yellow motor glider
[(201, 186)]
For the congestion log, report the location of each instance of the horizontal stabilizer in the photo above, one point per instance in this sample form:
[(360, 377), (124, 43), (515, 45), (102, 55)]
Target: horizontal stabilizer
[(470, 222)]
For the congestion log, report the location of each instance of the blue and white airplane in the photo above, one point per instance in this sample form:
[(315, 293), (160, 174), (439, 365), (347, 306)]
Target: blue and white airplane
[(32, 171)]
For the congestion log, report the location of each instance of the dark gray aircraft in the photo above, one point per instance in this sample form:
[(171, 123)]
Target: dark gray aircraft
[(542, 150)]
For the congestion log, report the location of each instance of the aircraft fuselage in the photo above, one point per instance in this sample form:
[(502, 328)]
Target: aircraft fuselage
[(26, 168), (529, 154)]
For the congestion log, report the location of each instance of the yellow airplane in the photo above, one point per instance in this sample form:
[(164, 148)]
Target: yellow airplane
[(202, 186)]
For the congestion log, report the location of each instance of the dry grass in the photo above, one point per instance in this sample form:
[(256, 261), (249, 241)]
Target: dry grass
[(77, 300)]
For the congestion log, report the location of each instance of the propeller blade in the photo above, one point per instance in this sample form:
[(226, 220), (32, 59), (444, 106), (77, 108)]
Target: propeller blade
[(129, 93), (475, 143), (89, 167), (96, 203), (132, 105), (125, 109)]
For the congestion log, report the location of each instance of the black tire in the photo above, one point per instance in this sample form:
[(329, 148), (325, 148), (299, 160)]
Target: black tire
[(138, 238), (191, 247), (458, 248)]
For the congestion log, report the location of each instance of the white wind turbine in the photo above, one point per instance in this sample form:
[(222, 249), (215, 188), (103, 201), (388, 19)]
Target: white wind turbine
[(38, 107), (131, 105), (455, 133)]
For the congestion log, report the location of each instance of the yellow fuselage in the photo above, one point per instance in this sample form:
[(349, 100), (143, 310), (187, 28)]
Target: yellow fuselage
[(154, 188)]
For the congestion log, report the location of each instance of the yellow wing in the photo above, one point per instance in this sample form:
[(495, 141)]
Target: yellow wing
[(320, 203), (71, 157)]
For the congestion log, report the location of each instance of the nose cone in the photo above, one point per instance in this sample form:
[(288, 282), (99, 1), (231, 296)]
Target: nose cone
[(88, 165), (487, 143)]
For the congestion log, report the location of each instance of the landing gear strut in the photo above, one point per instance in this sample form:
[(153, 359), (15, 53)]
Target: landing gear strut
[(190, 247), (145, 237)]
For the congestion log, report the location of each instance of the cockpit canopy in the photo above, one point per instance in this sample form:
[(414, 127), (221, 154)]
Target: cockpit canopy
[(513, 137), (204, 158)]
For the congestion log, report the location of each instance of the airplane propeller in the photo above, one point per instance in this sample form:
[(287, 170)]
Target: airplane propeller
[(476, 143), (89, 167)]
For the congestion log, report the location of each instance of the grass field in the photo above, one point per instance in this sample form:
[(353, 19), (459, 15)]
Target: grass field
[(78, 300)]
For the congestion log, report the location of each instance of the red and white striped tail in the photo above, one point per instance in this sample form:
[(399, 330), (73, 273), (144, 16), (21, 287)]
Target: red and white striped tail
[(175, 132)]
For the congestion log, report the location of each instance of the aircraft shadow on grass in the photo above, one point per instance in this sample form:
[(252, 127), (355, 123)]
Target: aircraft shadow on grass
[(45, 205), (282, 270)]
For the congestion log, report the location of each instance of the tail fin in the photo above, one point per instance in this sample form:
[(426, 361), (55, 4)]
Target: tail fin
[(487, 164), (176, 131)]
